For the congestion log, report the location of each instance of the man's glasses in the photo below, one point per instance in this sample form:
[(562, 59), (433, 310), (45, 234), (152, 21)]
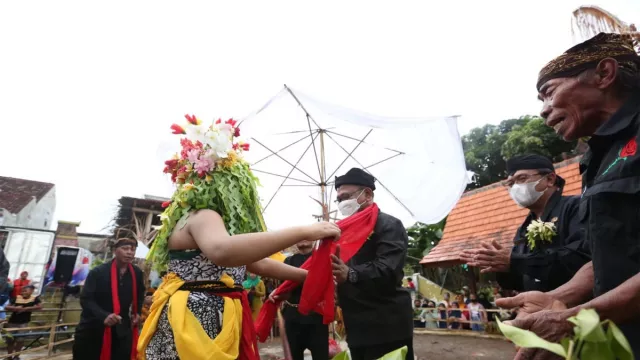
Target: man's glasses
[(347, 196)]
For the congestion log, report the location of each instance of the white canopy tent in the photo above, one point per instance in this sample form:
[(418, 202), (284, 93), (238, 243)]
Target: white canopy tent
[(299, 144)]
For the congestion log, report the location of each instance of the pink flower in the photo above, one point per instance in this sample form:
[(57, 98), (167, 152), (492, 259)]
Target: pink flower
[(193, 155), (203, 166)]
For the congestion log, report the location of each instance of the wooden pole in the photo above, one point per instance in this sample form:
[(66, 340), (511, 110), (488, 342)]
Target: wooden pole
[(323, 180)]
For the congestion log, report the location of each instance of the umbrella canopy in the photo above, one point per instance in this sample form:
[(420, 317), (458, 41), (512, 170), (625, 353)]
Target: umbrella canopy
[(300, 144)]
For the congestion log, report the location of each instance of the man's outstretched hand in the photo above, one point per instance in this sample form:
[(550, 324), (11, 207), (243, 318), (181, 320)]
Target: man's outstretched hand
[(542, 314)]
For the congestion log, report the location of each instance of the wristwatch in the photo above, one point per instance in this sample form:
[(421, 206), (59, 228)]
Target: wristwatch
[(352, 276)]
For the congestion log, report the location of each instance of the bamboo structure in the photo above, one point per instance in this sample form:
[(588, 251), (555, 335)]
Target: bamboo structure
[(588, 21)]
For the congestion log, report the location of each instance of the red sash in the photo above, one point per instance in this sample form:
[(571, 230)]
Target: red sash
[(318, 296), (105, 353), (248, 342)]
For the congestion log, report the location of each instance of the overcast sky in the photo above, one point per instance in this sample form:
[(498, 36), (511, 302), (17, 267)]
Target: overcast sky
[(87, 91)]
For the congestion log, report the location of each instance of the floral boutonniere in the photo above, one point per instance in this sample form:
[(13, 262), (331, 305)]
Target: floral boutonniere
[(540, 231)]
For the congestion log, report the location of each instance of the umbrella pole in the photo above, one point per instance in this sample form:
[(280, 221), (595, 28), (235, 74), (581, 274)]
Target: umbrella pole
[(323, 182)]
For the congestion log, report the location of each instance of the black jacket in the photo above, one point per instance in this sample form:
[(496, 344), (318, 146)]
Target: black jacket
[(95, 298), (549, 265), (610, 204), (376, 308)]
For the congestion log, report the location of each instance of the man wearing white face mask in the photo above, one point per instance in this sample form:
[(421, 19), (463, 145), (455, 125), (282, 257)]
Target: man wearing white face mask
[(533, 184), (377, 310)]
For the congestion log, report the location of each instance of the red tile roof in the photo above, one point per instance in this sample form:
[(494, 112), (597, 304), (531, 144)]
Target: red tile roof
[(489, 213), (15, 194)]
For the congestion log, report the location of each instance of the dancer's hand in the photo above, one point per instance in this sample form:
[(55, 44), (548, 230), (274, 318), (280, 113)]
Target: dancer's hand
[(112, 320), (530, 302), (275, 298), (491, 257), (324, 230)]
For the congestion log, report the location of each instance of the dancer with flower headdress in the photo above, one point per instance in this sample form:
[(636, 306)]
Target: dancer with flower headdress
[(212, 233)]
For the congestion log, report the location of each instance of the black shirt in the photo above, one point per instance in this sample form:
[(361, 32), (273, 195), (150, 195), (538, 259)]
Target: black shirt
[(610, 204), (95, 298), (291, 313), (548, 265), (23, 317), (377, 308)]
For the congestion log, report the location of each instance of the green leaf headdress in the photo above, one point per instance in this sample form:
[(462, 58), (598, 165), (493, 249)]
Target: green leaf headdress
[(209, 173)]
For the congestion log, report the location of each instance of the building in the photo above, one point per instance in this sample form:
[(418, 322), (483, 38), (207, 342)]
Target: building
[(98, 244), (489, 213), (26, 203), (140, 216)]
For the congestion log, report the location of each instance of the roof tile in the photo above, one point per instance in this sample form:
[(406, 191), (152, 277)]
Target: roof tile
[(15, 193)]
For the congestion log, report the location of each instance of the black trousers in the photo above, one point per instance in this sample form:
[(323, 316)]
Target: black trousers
[(374, 352), (314, 337), (88, 345)]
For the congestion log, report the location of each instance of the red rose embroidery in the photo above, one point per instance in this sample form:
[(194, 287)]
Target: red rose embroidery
[(629, 149)]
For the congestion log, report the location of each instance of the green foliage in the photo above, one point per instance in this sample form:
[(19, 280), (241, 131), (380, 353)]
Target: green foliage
[(231, 192), (96, 262), (590, 340), (422, 238), (486, 148)]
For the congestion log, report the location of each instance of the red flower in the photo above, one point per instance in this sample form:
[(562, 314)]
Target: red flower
[(231, 122), (166, 204), (245, 147), (177, 129), (629, 149), (236, 132), (192, 119), (218, 121), (171, 163)]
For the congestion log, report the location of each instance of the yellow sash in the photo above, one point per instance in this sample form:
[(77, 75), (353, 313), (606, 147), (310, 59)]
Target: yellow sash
[(192, 342)]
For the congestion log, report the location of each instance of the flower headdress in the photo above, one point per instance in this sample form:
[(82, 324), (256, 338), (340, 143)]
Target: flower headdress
[(209, 173)]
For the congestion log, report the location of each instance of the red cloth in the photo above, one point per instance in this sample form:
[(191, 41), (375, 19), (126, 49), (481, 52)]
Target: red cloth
[(248, 343), (105, 353), (318, 295)]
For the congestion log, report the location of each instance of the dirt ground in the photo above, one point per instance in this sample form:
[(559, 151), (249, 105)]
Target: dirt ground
[(431, 347)]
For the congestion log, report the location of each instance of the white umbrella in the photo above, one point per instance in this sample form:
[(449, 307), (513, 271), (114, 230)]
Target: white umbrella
[(299, 145)]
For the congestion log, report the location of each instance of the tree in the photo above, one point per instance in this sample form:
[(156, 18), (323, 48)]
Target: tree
[(422, 238), (486, 148), (534, 137)]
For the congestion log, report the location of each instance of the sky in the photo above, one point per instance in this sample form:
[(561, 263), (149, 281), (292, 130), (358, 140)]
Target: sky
[(89, 89)]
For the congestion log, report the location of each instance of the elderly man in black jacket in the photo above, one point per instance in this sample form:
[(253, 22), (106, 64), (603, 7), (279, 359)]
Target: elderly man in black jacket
[(536, 264), (376, 307)]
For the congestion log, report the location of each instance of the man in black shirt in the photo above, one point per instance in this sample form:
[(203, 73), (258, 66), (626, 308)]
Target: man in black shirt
[(593, 90), (21, 306), (97, 303), (304, 331), (541, 265), (377, 310)]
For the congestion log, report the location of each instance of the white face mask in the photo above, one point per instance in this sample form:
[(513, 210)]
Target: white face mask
[(525, 194), (350, 207)]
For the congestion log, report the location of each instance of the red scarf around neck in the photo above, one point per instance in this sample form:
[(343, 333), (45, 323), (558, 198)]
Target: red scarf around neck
[(105, 353), (318, 295)]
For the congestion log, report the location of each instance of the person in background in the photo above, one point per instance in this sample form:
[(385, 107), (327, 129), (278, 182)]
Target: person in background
[(536, 264), (463, 310), (22, 306), (417, 314), (442, 313), (465, 293), (477, 313), (447, 300), (5, 296), (304, 331), (98, 320), (257, 291), (18, 284), (430, 315), (455, 316), (376, 307)]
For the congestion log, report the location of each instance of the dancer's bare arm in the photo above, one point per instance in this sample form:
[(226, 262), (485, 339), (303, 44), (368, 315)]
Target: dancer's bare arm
[(208, 231), (274, 269)]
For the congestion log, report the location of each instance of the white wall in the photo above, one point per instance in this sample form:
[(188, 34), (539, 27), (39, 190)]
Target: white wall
[(35, 215)]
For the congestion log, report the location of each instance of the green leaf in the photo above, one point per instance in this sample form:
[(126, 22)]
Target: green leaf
[(342, 356), (399, 354), (527, 339), (619, 343), (596, 351), (588, 326)]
